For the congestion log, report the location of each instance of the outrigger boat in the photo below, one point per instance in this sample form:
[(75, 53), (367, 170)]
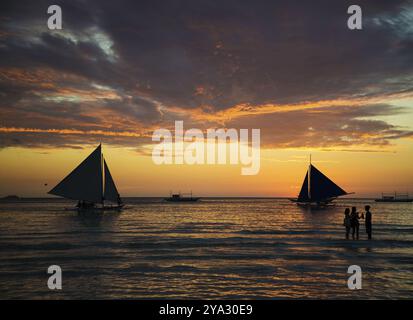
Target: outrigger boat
[(396, 197), (317, 189), (91, 184), (180, 197)]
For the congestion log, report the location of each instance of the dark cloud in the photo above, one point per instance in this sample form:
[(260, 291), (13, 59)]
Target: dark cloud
[(73, 141), (121, 65)]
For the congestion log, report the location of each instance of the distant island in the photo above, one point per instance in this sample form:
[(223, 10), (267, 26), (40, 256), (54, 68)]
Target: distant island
[(11, 197)]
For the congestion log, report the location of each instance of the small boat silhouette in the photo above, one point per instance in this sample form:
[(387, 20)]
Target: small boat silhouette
[(396, 197), (179, 197)]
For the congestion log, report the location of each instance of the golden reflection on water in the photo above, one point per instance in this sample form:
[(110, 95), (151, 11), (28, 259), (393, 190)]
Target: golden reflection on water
[(219, 248)]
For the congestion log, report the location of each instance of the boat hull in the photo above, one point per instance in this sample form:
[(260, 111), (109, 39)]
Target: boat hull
[(393, 200), (181, 199), (97, 209), (313, 204)]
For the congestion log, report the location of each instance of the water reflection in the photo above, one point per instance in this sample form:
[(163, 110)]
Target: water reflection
[(213, 249)]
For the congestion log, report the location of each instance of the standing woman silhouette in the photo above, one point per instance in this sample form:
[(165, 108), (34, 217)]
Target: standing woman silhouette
[(355, 224)]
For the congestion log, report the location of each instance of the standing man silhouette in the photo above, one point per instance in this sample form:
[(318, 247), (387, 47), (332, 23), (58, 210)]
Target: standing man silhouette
[(368, 221)]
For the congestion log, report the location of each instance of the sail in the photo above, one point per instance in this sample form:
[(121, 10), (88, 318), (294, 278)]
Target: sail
[(111, 193), (303, 196), (85, 182), (321, 187)]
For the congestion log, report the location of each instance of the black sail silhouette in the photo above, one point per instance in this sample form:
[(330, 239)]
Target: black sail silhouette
[(90, 181), (318, 188), (85, 182), (303, 196), (111, 193)]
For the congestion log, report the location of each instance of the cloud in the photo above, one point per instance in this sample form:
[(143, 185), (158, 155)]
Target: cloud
[(132, 66), (353, 127)]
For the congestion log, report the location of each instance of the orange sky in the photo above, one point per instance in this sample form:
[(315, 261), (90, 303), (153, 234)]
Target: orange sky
[(24, 172), (367, 164)]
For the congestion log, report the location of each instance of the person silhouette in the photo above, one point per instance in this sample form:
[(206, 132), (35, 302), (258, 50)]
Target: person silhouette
[(355, 224), (368, 221), (347, 222)]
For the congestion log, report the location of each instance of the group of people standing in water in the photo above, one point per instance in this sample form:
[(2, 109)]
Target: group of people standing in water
[(352, 223)]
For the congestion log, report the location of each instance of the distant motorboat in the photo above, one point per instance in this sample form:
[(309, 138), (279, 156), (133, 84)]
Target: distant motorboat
[(178, 197), (91, 184), (317, 189), (396, 197)]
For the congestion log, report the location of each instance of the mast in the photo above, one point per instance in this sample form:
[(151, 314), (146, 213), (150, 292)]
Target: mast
[(309, 179), (103, 174)]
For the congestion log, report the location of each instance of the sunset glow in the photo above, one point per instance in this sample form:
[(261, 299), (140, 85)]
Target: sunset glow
[(92, 82)]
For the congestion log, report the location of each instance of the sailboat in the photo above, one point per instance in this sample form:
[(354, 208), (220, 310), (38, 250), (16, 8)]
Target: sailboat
[(91, 184), (317, 189)]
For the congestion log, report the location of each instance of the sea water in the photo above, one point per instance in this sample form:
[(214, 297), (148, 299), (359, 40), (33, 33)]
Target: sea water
[(213, 249)]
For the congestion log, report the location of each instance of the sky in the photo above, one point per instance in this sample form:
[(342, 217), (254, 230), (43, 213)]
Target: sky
[(118, 70)]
